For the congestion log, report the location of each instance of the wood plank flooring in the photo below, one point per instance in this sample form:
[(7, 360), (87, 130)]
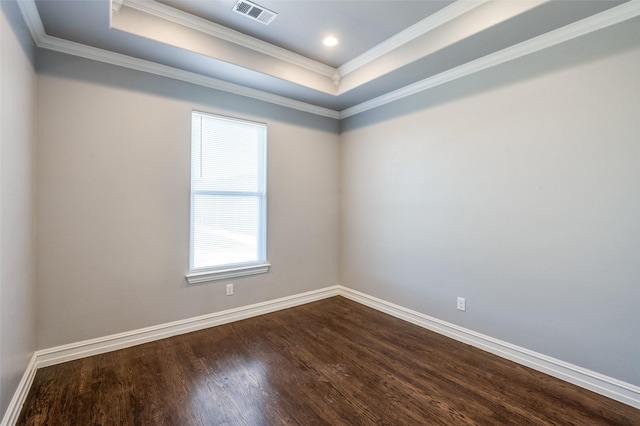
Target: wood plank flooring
[(332, 362)]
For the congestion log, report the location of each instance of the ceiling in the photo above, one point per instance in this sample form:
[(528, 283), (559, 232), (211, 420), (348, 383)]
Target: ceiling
[(387, 48), (302, 24)]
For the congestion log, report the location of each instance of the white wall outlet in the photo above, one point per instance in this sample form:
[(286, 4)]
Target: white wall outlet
[(229, 289), (462, 304)]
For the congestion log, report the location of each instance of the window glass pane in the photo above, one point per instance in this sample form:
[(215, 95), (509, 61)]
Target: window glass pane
[(226, 230), (229, 157), (227, 192)]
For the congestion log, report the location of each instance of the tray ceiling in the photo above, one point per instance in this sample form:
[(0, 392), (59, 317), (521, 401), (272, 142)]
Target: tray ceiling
[(387, 48)]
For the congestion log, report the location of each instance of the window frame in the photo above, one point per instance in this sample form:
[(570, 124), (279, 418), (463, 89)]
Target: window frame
[(229, 270)]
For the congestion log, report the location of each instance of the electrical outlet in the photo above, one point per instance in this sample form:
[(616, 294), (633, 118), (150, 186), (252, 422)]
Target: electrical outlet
[(229, 289), (462, 304)]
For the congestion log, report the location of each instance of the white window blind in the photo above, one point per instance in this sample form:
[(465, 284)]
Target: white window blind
[(228, 199)]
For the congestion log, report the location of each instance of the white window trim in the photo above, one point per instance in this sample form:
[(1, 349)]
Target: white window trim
[(199, 277)]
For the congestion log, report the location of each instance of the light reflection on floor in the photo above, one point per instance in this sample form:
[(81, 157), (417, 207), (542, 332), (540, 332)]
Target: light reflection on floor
[(233, 385)]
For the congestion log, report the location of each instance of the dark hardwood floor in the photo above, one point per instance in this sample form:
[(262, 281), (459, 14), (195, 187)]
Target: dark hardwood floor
[(332, 362)]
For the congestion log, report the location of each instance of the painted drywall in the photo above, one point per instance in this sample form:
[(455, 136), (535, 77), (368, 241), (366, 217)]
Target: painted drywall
[(17, 207), (113, 153), (517, 188)]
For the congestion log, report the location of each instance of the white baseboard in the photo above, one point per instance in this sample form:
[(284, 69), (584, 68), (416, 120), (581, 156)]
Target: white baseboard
[(114, 342), (596, 382), (15, 406), (70, 352), (601, 384)]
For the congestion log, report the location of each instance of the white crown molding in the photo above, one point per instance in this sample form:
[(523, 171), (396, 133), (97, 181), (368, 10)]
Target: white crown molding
[(604, 19), (93, 53), (174, 15), (441, 17), (596, 382), (32, 19), (42, 40), (115, 6), (588, 25)]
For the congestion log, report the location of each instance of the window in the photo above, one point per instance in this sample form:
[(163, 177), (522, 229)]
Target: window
[(228, 198)]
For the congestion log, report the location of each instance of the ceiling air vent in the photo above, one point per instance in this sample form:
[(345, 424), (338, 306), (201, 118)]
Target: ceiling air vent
[(255, 12)]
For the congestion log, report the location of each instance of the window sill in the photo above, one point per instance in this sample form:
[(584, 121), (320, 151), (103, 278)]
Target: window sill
[(222, 274)]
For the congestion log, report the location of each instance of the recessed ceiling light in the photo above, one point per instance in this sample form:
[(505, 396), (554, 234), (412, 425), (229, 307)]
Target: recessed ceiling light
[(330, 41)]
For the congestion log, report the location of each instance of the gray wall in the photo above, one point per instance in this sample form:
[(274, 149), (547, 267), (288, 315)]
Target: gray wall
[(17, 293), (113, 152), (517, 188)]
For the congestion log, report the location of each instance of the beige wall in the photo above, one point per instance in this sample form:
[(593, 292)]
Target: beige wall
[(113, 201), (17, 292), (517, 188)]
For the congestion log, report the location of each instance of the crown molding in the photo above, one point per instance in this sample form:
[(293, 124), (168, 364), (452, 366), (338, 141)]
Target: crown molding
[(42, 40), (441, 17), (115, 5), (618, 14), (32, 19), (93, 53), (588, 25), (199, 24), (449, 13)]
